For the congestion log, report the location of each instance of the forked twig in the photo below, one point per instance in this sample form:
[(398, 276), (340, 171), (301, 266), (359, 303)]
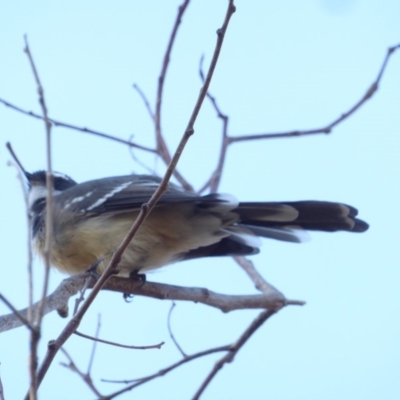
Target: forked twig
[(162, 148), (259, 282), (227, 358), (328, 128), (84, 376), (215, 178), (162, 372), (213, 182), (161, 291)]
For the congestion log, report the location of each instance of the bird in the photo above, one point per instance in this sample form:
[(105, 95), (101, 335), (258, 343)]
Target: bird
[(90, 220)]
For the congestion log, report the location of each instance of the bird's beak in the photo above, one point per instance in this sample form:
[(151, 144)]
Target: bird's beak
[(29, 178), (28, 175)]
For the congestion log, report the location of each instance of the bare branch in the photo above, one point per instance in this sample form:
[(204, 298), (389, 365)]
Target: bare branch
[(140, 162), (77, 128), (328, 128), (226, 303), (260, 283), (85, 377), (55, 301), (231, 349), (220, 39), (162, 149), (234, 349), (94, 347), (164, 371), (21, 179), (215, 177)]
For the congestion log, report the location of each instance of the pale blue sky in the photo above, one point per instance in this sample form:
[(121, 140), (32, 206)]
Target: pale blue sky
[(285, 65)]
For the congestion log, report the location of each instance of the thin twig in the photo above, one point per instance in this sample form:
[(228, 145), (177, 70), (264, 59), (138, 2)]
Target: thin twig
[(82, 292), (94, 347), (203, 92), (49, 179), (328, 128), (85, 377), (170, 330), (77, 128), (234, 349), (144, 99), (162, 372), (215, 178), (162, 148), (21, 178), (18, 162), (49, 176), (259, 282), (140, 162), (125, 346)]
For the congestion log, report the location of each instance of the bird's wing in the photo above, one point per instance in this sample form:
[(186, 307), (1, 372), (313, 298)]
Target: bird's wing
[(125, 193)]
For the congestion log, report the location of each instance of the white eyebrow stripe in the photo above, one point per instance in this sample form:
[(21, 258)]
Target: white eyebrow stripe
[(108, 195), (37, 193), (60, 175)]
